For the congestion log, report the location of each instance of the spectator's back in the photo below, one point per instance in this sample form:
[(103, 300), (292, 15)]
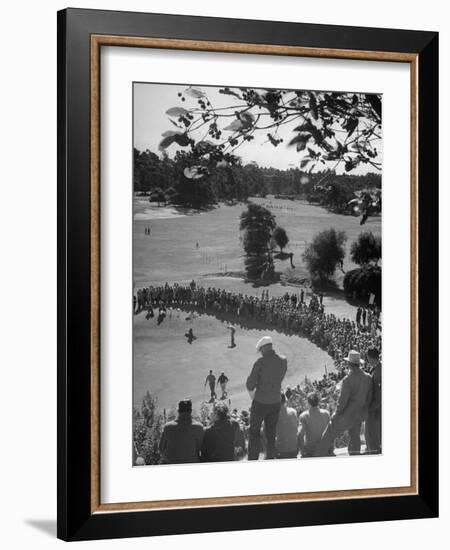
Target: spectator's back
[(286, 439), (313, 423), (181, 440), (356, 395), (220, 440)]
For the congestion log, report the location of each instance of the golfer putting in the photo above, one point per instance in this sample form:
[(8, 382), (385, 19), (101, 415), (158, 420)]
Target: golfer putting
[(232, 335)]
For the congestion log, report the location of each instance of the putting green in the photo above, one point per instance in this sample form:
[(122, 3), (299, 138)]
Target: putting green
[(172, 369)]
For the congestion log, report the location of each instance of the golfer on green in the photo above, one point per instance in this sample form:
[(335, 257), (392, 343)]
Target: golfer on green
[(211, 380)]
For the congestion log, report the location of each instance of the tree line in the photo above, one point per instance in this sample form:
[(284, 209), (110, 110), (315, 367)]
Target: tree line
[(174, 180)]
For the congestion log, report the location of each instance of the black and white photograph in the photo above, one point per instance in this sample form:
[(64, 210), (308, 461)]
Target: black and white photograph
[(227, 217), (257, 270)]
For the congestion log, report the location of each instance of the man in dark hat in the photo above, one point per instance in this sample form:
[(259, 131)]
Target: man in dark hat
[(352, 408), (181, 440)]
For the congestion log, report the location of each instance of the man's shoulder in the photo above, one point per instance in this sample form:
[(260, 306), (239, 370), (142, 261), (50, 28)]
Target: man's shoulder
[(292, 412), (171, 424), (324, 413), (304, 415), (376, 373), (281, 359)]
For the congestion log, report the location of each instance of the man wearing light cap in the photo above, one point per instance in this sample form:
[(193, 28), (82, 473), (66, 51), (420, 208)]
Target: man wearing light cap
[(264, 383)]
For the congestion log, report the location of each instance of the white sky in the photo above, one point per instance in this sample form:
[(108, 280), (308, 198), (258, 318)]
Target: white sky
[(151, 102)]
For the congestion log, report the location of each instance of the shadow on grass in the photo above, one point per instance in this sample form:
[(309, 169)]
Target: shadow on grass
[(255, 283), (333, 292), (272, 281), (191, 211), (281, 256)]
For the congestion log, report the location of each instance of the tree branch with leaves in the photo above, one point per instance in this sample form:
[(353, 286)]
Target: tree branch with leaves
[(325, 128)]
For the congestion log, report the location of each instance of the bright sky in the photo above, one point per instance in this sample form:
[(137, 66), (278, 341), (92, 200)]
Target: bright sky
[(151, 101)]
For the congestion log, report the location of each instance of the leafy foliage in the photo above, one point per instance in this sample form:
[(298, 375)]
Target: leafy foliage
[(148, 424), (366, 249), (324, 254), (333, 127)]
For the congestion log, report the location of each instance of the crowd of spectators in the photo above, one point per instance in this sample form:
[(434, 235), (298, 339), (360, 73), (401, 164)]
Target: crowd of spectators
[(290, 314)]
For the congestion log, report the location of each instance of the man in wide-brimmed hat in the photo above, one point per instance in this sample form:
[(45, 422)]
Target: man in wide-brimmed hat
[(352, 408), (264, 386)]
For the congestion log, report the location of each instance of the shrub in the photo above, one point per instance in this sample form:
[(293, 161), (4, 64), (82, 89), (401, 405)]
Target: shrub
[(324, 254), (360, 283), (157, 195), (366, 249), (148, 425)]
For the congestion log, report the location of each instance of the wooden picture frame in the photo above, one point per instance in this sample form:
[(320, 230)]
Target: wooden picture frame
[(81, 35)]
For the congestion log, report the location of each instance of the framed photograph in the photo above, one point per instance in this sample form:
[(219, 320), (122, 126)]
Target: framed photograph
[(247, 287)]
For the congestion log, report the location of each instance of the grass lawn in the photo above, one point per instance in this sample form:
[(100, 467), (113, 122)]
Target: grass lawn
[(171, 369), (164, 362), (170, 252)]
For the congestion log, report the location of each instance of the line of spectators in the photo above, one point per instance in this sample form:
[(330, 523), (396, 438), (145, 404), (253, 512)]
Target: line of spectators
[(289, 313), (185, 440)]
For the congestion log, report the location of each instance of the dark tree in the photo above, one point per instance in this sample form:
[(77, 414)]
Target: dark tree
[(171, 193), (150, 171), (360, 283), (257, 224), (157, 195), (324, 254), (192, 185), (280, 237), (366, 249), (254, 177)]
